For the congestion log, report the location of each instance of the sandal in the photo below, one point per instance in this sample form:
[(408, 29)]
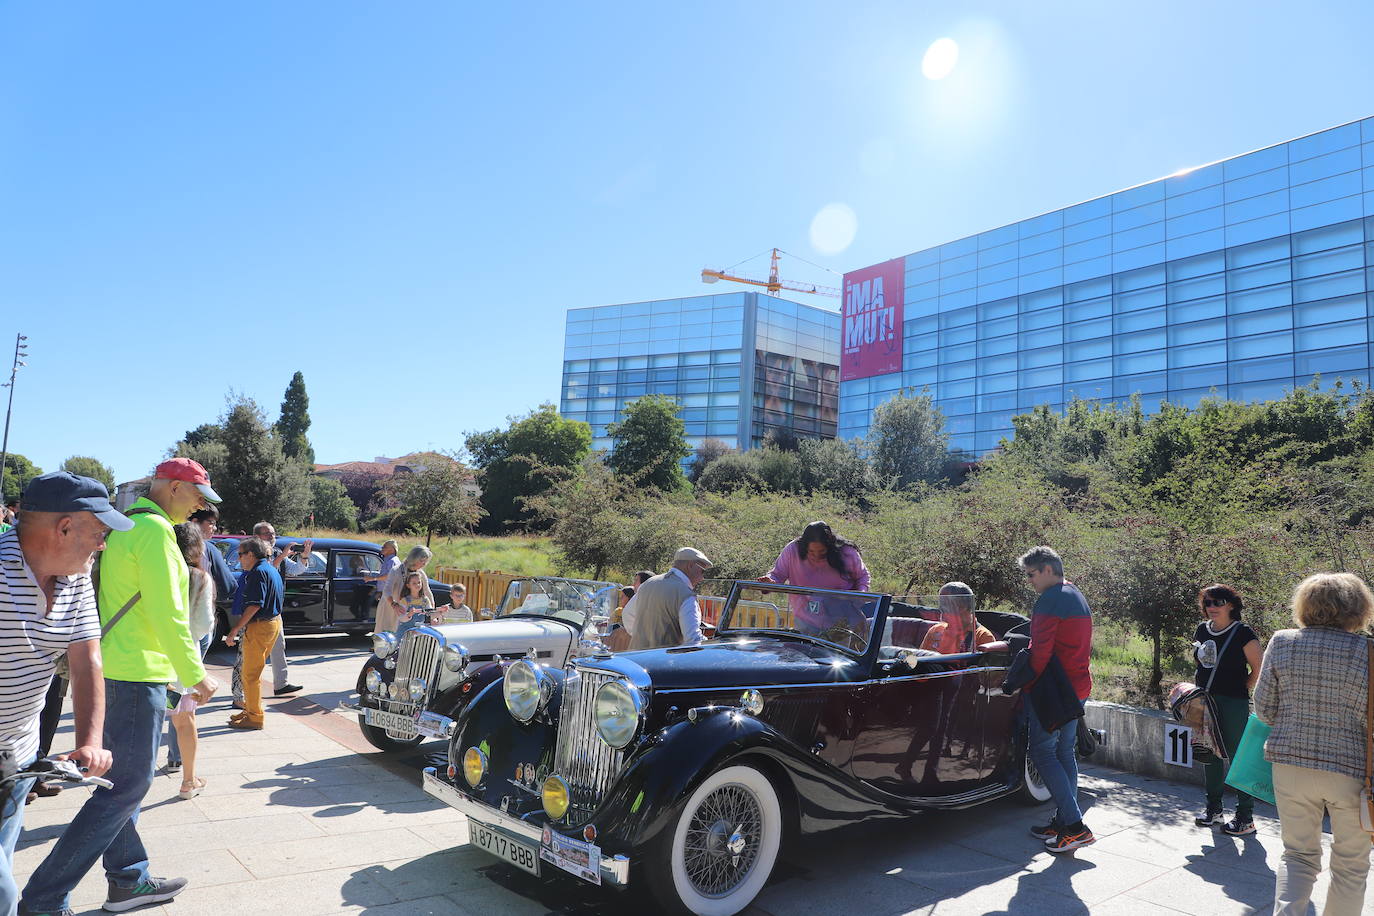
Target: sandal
[(190, 790)]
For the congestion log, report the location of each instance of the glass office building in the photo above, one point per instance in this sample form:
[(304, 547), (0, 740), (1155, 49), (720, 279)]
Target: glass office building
[(740, 364), (1244, 278)]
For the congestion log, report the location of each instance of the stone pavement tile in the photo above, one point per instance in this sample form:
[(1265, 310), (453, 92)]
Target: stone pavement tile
[(357, 819), (444, 872), (328, 891), (448, 835), (260, 803), (1204, 888), (429, 906), (305, 856), (945, 868), (1088, 875), (203, 869), (377, 793), (1012, 896), (216, 764), (1169, 846), (232, 834), (489, 899), (872, 894), (1131, 906), (314, 778)]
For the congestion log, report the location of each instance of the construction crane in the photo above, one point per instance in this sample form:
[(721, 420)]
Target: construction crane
[(773, 284)]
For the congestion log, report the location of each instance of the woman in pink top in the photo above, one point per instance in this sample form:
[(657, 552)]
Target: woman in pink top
[(818, 559)]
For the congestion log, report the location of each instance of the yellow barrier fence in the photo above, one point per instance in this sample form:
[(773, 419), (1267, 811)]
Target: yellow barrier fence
[(485, 586)]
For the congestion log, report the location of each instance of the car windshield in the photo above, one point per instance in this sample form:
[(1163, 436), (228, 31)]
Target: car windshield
[(573, 600), (842, 618)]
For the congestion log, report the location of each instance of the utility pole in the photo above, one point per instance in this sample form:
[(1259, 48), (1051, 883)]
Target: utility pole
[(20, 349)]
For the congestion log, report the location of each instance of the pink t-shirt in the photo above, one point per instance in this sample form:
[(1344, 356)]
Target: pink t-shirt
[(793, 569)]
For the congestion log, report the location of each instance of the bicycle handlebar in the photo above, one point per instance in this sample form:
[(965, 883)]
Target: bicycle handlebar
[(50, 768)]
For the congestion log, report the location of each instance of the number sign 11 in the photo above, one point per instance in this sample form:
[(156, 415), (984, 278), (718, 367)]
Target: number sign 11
[(1178, 745)]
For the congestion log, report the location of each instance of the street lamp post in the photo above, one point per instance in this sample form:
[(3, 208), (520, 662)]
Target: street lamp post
[(20, 349)]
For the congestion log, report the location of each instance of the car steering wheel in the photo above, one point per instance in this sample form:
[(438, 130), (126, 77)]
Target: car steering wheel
[(856, 641)]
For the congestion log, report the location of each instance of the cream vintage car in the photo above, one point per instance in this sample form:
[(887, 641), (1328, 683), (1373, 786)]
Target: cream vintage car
[(414, 688)]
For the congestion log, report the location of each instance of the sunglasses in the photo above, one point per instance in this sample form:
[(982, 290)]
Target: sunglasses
[(1214, 602)]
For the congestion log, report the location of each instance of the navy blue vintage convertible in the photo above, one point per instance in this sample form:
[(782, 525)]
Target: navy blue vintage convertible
[(683, 769)]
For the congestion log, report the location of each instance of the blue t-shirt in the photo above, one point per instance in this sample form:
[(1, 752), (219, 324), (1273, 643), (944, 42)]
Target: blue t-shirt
[(262, 586)]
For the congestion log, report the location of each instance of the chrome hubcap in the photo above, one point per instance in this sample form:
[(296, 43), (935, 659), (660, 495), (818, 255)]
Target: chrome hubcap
[(718, 853)]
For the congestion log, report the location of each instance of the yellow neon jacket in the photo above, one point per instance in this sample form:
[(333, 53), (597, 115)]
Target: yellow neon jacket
[(152, 643)]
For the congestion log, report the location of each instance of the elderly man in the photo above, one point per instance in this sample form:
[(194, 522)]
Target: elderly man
[(47, 607), (666, 612), (144, 599), (958, 630), (261, 594)]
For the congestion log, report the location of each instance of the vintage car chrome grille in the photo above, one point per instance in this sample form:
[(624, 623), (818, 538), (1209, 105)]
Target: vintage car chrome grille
[(418, 656), (585, 762)]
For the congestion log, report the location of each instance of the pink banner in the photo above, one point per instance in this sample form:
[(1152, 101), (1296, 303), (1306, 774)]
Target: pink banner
[(871, 321)]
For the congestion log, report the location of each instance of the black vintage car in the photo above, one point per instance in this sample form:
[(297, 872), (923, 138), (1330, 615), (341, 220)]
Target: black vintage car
[(332, 595), (682, 769)]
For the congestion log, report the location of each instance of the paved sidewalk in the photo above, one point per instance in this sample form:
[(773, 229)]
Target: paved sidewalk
[(304, 817)]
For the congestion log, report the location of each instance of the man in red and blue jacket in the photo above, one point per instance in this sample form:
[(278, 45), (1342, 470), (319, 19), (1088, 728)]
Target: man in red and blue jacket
[(1062, 632)]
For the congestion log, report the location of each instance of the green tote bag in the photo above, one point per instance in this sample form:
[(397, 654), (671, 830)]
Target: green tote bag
[(1250, 772)]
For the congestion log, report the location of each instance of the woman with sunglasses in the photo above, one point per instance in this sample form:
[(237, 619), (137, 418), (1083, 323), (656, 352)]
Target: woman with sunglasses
[(1228, 659)]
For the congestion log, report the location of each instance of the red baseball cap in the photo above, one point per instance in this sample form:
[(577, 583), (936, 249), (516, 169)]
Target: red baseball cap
[(189, 471)]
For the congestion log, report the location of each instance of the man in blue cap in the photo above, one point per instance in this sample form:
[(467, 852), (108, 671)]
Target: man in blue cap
[(47, 608)]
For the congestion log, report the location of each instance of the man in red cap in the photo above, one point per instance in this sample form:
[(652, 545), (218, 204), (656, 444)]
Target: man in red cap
[(146, 644)]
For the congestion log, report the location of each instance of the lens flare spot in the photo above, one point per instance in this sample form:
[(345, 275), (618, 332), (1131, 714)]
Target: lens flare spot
[(833, 228), (940, 59)]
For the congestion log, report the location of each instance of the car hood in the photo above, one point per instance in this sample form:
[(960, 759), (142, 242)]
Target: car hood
[(741, 662), (511, 638)]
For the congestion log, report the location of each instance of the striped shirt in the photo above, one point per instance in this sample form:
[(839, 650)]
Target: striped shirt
[(32, 639)]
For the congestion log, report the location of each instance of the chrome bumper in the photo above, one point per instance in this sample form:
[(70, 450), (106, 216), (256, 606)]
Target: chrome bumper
[(614, 869)]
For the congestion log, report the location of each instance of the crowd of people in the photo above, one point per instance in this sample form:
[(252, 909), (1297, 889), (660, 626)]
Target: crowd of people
[(131, 647)]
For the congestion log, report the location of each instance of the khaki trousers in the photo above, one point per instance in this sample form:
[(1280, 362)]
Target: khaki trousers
[(1303, 794), (258, 638)]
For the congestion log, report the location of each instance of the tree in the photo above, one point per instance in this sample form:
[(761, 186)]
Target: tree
[(90, 467), (730, 472), (252, 473), (330, 506), (835, 467), (294, 422), (18, 472), (438, 496), (650, 444), (515, 464), (907, 442), (203, 434), (586, 507), (706, 452)]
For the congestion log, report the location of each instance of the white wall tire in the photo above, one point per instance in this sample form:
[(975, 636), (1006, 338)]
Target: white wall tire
[(1033, 788), (724, 842)]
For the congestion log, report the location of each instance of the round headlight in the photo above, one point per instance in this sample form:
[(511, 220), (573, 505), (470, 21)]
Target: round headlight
[(554, 794), (474, 766), (383, 644), (455, 657), (751, 701), (394, 690), (373, 680), (417, 689), (618, 712), (527, 689)]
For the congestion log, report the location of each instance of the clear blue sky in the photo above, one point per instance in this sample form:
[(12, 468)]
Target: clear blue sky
[(401, 200)]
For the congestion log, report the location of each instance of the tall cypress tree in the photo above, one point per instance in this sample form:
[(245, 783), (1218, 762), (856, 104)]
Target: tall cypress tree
[(294, 422)]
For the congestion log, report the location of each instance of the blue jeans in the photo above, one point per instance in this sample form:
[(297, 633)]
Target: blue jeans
[(173, 748), (107, 825), (13, 814), (1053, 756)]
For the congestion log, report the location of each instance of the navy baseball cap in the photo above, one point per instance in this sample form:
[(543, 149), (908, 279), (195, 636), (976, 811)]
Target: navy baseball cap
[(63, 491)]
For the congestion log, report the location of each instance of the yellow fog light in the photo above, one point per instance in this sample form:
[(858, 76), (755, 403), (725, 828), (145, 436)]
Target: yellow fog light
[(474, 766), (555, 796)]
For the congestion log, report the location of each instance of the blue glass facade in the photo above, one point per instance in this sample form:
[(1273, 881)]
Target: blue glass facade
[(739, 363), (1245, 277)]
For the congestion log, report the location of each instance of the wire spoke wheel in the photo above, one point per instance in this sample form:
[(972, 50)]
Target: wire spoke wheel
[(725, 843), (722, 840)]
